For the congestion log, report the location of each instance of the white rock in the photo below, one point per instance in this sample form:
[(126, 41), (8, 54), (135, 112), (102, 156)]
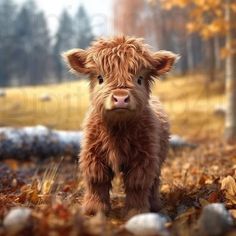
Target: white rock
[(45, 98), (16, 220), (147, 224), (220, 109), (2, 93), (178, 142), (215, 220)]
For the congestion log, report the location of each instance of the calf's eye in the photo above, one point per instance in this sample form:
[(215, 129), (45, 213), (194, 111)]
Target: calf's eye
[(100, 79), (140, 80)]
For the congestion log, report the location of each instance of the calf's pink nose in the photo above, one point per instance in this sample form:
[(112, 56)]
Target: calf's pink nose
[(120, 101)]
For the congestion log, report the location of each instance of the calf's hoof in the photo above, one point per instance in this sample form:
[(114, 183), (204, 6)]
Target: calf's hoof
[(93, 207), (155, 206)]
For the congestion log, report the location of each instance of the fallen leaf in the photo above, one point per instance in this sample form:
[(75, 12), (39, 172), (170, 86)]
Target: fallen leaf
[(203, 202), (233, 213), (228, 185), (213, 197), (203, 179)]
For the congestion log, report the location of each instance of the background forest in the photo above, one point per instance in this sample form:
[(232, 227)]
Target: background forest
[(194, 29), (30, 54)]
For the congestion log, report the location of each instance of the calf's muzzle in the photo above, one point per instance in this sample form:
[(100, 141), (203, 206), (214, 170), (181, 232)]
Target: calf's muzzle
[(120, 98)]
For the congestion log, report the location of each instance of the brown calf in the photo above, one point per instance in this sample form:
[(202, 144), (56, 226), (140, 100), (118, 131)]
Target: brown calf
[(125, 130)]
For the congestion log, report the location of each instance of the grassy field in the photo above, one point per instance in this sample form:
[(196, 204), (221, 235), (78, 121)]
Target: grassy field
[(189, 102)]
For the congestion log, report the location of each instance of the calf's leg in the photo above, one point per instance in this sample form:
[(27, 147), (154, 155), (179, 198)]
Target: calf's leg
[(96, 198), (138, 182), (154, 196), (97, 178)]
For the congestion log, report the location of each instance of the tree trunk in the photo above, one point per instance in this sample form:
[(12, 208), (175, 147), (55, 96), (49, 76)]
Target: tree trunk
[(230, 122), (189, 48), (211, 59), (217, 52), (39, 142)]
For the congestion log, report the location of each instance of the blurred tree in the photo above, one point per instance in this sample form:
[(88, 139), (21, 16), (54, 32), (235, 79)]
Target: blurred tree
[(130, 17), (65, 40), (161, 29), (83, 28), (32, 51), (230, 17), (41, 50), (211, 19), (205, 17), (7, 20)]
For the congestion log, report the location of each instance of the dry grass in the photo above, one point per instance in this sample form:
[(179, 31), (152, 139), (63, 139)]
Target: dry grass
[(22, 106), (189, 102)]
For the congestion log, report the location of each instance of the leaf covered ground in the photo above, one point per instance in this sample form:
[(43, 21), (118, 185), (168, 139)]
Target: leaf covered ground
[(191, 178)]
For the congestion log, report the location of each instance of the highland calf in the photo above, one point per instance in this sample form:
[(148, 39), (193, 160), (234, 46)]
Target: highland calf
[(125, 130)]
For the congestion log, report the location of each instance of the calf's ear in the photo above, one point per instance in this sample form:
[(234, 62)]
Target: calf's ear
[(77, 60), (164, 61)]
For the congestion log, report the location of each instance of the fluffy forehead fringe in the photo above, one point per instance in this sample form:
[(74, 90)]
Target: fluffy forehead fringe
[(120, 42), (120, 54)]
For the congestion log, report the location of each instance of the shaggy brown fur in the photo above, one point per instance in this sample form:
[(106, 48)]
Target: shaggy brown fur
[(125, 130)]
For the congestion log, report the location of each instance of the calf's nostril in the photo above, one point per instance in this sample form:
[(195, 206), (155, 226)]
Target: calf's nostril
[(115, 99), (126, 99)]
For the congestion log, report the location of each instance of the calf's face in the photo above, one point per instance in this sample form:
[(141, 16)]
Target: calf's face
[(121, 71)]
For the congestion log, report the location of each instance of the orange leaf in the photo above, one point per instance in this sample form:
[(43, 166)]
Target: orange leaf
[(213, 197)]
